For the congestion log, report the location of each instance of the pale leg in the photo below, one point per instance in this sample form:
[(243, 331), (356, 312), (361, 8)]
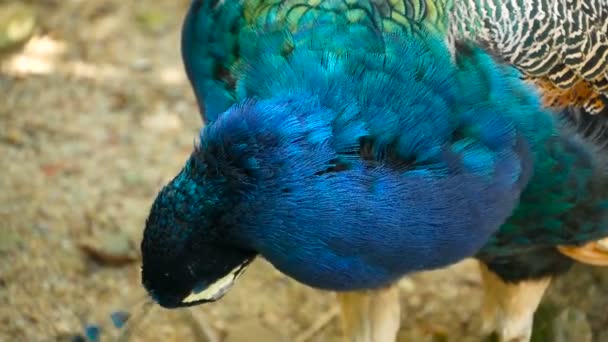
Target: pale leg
[(508, 308), (370, 316)]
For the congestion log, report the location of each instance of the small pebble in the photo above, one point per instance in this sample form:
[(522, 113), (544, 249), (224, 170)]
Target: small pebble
[(113, 249)]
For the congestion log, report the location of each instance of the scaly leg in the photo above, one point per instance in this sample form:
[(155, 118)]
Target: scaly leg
[(508, 308), (371, 316)]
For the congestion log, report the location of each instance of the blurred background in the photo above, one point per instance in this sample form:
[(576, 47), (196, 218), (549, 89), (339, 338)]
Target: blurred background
[(96, 115)]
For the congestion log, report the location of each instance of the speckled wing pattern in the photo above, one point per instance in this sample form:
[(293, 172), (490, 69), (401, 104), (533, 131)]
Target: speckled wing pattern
[(561, 45)]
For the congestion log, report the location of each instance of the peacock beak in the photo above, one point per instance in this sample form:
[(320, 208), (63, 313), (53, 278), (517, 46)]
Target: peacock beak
[(210, 293)]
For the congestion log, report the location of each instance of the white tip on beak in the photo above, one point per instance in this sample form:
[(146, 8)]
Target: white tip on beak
[(218, 289)]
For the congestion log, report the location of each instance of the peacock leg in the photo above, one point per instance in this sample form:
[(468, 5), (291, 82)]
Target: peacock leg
[(370, 316), (508, 308)]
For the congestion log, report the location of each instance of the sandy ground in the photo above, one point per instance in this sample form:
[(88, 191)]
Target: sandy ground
[(96, 114)]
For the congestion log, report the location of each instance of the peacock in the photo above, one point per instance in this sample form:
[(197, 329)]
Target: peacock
[(351, 143)]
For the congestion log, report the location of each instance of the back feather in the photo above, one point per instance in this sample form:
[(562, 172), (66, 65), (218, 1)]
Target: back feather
[(560, 45)]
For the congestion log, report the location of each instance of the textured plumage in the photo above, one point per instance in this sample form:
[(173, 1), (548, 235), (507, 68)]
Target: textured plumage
[(351, 161), (324, 162)]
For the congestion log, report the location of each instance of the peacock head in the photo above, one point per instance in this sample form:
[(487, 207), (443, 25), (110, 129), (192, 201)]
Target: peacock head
[(185, 257)]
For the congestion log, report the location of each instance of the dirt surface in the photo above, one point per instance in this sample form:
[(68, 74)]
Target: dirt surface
[(96, 114)]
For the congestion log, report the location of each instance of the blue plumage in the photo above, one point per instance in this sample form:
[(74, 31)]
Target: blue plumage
[(432, 185), (326, 164), (346, 162)]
